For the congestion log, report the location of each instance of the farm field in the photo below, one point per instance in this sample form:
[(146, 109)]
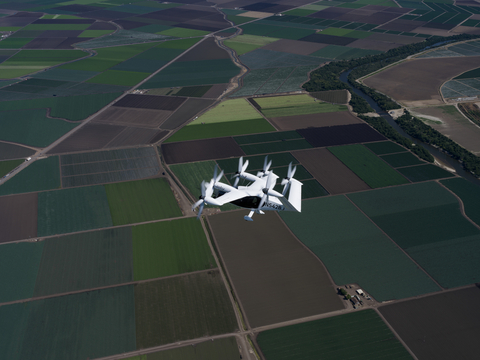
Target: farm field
[(188, 110), (359, 243), (108, 166), (229, 110), (31, 330), (170, 248), (448, 327), (424, 172), (314, 120), (367, 166), (200, 150), (330, 172), (468, 194), (452, 124), (419, 80), (10, 151), (85, 261), (256, 162), (438, 237), (220, 349), (340, 135), (333, 338), (15, 210), (19, 266), (43, 174), (401, 159), (142, 200), (9, 165), (70, 210), (385, 147), (181, 308), (294, 283)]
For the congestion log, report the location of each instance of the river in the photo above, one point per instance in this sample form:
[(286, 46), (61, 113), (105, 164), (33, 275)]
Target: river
[(440, 156)]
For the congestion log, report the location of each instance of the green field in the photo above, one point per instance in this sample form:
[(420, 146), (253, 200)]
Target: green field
[(182, 44), (438, 236), (362, 334), (41, 175), (88, 325), (117, 77), (12, 43), (368, 167), (181, 308), (229, 110), (312, 189), (425, 172), (73, 108), (468, 193), (183, 32), (143, 200), (18, 270), (220, 349), (32, 127), (169, 248), (255, 163), (9, 165), (381, 268), (402, 159), (71, 210), (241, 47), (85, 261), (245, 43), (385, 147), (214, 130)]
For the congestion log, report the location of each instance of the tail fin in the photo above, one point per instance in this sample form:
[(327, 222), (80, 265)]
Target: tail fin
[(294, 202)]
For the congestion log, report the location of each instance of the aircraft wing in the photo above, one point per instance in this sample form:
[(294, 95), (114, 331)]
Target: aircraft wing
[(230, 196)]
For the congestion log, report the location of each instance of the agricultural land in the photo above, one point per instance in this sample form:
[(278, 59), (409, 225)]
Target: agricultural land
[(115, 113)]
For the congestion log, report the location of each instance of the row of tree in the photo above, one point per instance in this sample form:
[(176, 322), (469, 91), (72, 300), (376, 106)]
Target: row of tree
[(419, 130)]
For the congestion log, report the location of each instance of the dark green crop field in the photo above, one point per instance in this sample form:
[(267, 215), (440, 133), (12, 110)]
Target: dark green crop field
[(362, 334), (385, 147), (468, 193), (402, 159), (181, 308), (85, 261), (368, 167), (18, 270), (425, 172), (43, 174), (137, 201), (169, 248), (9, 165), (70, 210), (382, 268)]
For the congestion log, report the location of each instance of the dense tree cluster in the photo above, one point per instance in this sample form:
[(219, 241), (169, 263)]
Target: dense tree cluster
[(417, 129), (359, 104), (384, 128)]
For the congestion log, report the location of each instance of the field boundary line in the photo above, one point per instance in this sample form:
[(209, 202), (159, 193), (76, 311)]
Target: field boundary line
[(136, 282), (398, 246), (396, 334), (460, 201)]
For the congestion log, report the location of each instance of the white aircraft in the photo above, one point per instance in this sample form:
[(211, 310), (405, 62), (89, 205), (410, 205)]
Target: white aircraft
[(258, 196)]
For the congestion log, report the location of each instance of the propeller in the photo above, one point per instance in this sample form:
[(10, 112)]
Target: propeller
[(268, 190), (266, 166), (286, 180), (207, 192), (241, 169)]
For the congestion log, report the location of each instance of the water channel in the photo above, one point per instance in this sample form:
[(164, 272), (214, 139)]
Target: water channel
[(440, 156)]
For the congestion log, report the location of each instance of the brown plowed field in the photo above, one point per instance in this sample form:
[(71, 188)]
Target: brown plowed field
[(18, 217), (215, 91), (90, 137), (420, 79), (133, 117), (207, 50), (132, 136), (373, 45), (200, 150), (340, 135), (153, 102), (444, 326), (294, 46), (187, 111), (330, 172), (275, 278), (314, 120)]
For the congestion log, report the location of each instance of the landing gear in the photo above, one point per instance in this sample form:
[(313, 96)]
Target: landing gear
[(250, 214)]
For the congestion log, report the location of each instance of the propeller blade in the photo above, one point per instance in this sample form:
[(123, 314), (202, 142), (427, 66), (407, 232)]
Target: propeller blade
[(264, 198), (202, 188), (200, 210), (269, 181), (235, 184), (244, 166), (197, 204), (214, 173), (293, 172), (265, 164), (219, 176), (240, 164)]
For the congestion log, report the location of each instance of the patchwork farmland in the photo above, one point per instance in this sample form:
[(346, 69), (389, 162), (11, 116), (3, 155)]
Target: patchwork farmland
[(125, 107)]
